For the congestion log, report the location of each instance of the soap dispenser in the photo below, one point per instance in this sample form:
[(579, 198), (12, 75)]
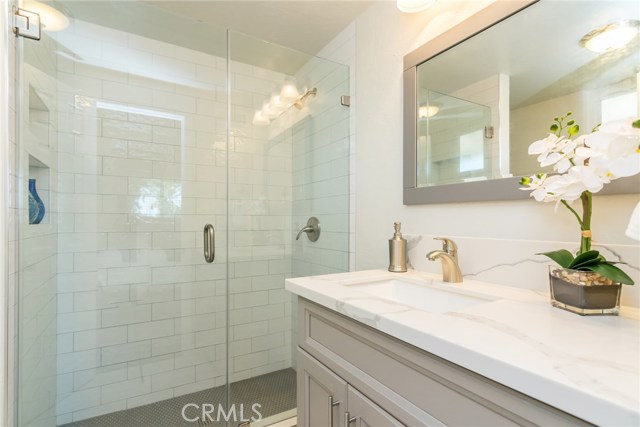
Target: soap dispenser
[(397, 251)]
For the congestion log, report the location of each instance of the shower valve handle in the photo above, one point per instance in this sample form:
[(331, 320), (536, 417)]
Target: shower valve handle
[(312, 229)]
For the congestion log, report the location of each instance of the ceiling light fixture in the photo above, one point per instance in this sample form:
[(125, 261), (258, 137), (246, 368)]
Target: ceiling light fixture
[(51, 18), (611, 36), (414, 6), (426, 111)]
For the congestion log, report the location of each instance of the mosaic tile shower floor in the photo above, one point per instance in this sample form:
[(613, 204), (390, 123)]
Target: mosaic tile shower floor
[(276, 393)]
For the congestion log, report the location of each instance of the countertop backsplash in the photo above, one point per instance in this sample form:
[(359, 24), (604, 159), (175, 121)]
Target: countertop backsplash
[(515, 263)]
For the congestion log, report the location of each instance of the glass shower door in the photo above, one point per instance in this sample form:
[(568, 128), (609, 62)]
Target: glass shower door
[(288, 162), (125, 136)]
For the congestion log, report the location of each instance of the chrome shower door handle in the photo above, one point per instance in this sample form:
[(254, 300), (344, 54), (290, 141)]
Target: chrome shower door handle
[(209, 243)]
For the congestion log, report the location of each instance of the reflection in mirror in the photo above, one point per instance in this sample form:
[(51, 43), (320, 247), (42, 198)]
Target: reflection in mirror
[(482, 102), (451, 139)]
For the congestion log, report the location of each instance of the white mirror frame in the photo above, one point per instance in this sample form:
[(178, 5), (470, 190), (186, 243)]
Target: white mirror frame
[(490, 190)]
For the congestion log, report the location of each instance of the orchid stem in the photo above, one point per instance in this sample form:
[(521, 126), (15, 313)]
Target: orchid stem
[(564, 202), (585, 224)]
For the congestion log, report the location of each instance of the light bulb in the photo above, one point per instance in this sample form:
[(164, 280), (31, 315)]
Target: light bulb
[(276, 104), (259, 119), (268, 111), (289, 93)]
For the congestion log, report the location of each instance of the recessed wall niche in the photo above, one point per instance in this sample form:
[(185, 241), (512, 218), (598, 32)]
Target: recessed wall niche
[(42, 174)]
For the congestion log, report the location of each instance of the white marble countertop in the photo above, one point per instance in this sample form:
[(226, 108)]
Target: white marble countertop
[(588, 366)]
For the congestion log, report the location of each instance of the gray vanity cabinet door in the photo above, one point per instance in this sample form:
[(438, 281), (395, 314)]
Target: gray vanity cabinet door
[(318, 388), (366, 413)]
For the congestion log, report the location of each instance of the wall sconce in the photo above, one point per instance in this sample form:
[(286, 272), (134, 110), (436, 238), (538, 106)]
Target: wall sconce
[(414, 6), (611, 36)]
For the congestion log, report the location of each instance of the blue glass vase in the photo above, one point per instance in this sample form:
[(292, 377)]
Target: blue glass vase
[(36, 207)]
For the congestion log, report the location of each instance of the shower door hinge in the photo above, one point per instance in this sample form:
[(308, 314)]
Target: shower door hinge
[(345, 100), (26, 24), (488, 132)]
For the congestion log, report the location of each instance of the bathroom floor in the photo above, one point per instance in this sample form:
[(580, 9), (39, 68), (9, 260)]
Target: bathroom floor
[(275, 392)]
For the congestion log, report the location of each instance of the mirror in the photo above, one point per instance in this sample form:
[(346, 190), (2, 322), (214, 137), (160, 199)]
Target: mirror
[(477, 96)]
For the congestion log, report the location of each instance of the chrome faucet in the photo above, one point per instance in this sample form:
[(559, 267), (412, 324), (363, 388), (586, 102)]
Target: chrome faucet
[(449, 257)]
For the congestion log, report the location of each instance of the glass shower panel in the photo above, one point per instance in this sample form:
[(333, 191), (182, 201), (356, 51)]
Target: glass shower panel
[(288, 161), (126, 137), (453, 144), (36, 293)]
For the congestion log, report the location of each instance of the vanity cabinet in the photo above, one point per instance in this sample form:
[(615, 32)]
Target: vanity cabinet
[(330, 401), (345, 366)]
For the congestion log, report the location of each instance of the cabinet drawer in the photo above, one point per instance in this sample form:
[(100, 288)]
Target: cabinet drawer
[(413, 385)]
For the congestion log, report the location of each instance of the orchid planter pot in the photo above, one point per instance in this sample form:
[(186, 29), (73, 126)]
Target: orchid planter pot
[(584, 292)]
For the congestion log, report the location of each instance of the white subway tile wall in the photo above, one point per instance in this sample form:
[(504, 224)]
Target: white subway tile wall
[(142, 166)]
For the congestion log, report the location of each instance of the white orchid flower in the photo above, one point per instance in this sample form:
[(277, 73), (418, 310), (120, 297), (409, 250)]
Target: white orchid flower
[(614, 151), (554, 150), (544, 145)]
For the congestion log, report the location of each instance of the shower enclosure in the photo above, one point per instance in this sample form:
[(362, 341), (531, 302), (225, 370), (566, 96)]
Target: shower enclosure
[(140, 128)]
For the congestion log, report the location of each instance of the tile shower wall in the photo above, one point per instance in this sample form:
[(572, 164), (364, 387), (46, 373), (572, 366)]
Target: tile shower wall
[(142, 169), (321, 173)]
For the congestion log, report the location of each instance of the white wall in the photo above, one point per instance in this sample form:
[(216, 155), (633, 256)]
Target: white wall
[(383, 36)]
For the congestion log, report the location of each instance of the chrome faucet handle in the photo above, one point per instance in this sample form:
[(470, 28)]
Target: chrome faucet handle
[(449, 246)]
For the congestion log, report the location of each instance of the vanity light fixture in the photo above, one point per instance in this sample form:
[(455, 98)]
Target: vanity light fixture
[(414, 6), (611, 36), (51, 18), (278, 104)]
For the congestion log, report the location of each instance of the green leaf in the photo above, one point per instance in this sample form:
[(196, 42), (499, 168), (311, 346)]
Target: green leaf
[(612, 272), (569, 113), (585, 258), (563, 257), (571, 122), (636, 124), (554, 128), (573, 130)]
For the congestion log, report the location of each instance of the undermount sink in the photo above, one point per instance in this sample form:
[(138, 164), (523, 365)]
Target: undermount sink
[(431, 298)]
